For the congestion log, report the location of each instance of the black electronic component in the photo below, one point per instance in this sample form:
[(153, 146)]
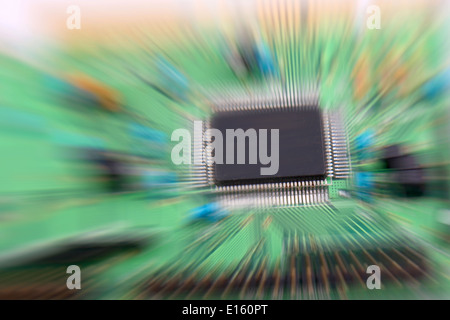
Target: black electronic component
[(412, 182), (389, 154), (403, 162), (301, 145), (408, 173)]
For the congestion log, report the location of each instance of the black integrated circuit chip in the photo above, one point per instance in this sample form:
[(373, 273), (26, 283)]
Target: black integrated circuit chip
[(301, 153)]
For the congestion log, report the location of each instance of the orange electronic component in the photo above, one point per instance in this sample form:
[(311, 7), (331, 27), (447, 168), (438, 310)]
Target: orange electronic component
[(107, 97)]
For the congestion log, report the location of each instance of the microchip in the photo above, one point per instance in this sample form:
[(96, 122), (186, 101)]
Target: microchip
[(301, 145), (234, 158)]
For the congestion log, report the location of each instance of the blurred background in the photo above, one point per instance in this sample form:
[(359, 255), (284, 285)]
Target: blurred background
[(91, 91)]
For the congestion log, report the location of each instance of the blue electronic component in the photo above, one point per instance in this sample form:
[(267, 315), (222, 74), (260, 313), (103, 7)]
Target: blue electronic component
[(363, 144), (264, 60), (171, 79), (364, 180), (148, 141), (210, 211), (24, 121), (147, 133), (436, 85), (153, 178), (364, 184)]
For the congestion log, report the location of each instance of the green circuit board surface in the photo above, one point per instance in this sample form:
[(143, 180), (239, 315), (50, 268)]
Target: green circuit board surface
[(51, 200)]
